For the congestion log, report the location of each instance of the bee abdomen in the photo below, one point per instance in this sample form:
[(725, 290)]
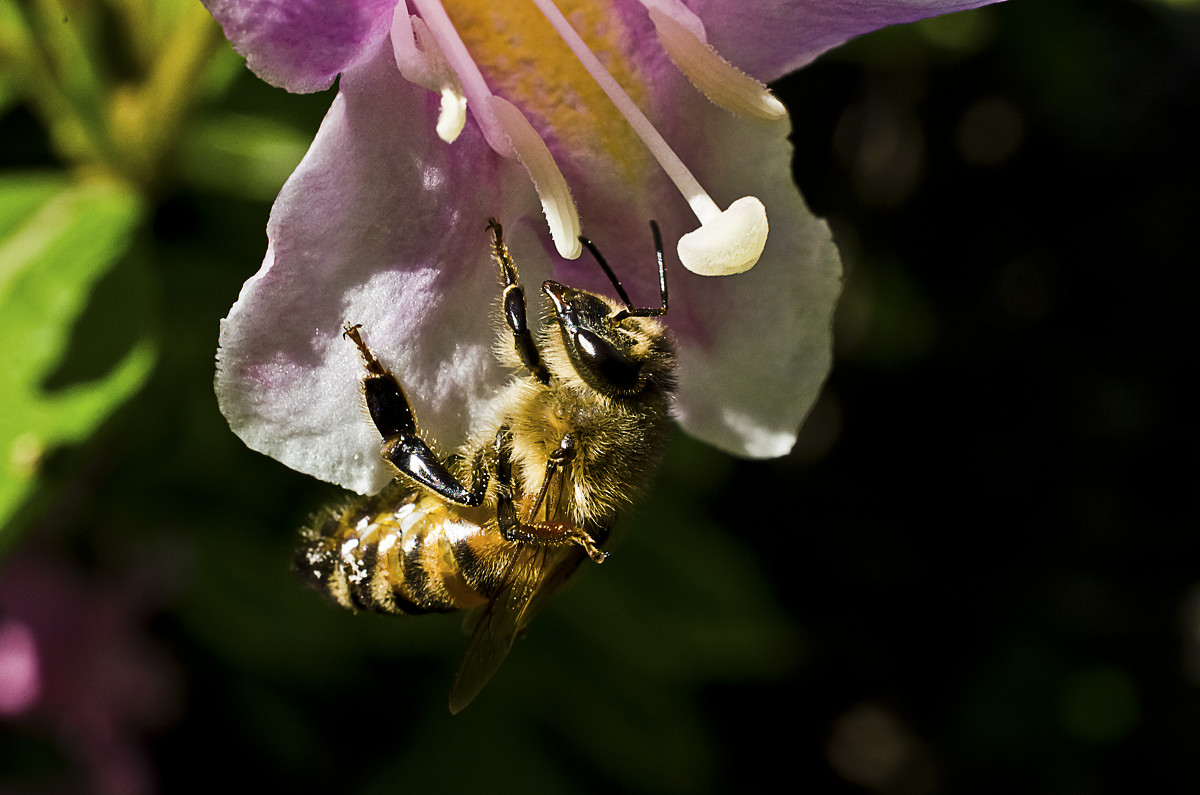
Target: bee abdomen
[(394, 560)]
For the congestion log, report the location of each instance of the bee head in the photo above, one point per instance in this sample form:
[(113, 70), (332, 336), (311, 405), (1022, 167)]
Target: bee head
[(614, 353)]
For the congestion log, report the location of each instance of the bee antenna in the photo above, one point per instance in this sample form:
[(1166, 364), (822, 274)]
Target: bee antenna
[(630, 310)]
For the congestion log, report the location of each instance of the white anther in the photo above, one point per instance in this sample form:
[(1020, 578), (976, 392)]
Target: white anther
[(727, 243), (505, 128), (561, 214), (420, 60), (453, 115), (720, 81)]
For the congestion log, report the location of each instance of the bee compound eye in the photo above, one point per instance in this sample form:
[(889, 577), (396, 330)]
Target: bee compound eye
[(616, 370)]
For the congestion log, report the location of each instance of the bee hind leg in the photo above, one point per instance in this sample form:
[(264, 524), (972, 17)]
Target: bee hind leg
[(402, 444), (548, 533)]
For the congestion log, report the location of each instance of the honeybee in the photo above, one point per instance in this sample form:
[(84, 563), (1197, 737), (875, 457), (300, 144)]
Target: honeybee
[(576, 434)]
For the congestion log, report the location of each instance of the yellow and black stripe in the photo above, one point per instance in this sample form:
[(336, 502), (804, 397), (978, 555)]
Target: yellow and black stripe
[(404, 551)]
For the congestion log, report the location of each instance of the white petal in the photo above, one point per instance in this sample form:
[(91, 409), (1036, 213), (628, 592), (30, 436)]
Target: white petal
[(763, 342)]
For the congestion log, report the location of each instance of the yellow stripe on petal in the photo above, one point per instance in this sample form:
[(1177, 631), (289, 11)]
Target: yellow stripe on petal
[(526, 62)]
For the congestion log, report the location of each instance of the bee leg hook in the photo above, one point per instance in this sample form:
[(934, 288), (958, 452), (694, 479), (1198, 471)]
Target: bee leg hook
[(402, 444), (547, 532)]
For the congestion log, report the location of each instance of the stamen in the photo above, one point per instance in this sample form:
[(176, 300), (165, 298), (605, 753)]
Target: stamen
[(453, 116), (551, 186), (727, 242), (719, 80), (506, 130), (474, 87), (420, 60)]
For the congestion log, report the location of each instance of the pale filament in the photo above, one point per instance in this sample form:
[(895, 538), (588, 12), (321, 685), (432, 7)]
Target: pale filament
[(727, 242), (697, 198), (474, 86), (420, 60), (507, 131)]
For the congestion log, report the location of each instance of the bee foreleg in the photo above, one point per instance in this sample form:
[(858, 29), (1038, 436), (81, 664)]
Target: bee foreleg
[(402, 444), (514, 307)]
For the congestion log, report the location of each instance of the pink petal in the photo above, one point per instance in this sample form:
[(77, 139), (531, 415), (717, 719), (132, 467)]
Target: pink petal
[(382, 224), (769, 38), (301, 45)]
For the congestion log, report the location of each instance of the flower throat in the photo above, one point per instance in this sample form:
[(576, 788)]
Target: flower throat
[(520, 45)]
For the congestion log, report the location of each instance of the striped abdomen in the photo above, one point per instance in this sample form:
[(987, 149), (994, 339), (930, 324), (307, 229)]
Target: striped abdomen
[(404, 551)]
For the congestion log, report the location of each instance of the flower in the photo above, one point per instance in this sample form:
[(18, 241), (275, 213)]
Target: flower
[(383, 223), (78, 668)]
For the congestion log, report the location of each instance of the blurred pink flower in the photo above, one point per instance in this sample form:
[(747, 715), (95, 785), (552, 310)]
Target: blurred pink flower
[(76, 663)]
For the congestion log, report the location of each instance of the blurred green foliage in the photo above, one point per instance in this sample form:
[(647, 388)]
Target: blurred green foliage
[(57, 240), (112, 85)]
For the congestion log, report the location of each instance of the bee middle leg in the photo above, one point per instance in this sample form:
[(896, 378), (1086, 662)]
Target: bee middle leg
[(402, 444), (514, 307), (546, 532)]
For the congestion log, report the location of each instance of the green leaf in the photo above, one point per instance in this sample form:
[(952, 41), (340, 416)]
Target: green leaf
[(57, 239), (244, 156), (10, 89)]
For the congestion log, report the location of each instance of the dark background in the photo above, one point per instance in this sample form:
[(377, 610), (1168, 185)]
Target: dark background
[(977, 572)]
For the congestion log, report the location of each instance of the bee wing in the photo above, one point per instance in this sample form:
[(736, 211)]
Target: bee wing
[(551, 580), (532, 575)]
